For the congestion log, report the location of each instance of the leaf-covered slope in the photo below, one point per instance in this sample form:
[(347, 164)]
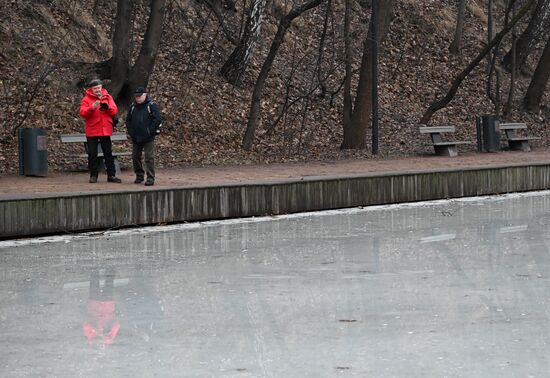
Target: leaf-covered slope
[(45, 45)]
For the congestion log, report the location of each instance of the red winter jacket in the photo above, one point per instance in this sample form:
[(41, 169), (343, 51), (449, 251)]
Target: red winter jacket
[(102, 321), (98, 122)]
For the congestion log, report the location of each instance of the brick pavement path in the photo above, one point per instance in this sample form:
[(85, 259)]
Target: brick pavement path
[(13, 186)]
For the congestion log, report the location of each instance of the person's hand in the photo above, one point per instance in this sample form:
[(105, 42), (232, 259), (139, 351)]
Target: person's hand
[(95, 105)]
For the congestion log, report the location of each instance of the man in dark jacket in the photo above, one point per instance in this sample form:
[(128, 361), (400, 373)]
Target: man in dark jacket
[(143, 122)]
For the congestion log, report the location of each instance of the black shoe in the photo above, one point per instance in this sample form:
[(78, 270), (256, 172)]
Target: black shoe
[(149, 182), (93, 179), (138, 180), (114, 179)]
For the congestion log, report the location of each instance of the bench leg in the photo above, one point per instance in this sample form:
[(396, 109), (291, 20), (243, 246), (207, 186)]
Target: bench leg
[(446, 151), (101, 165), (117, 166), (102, 168), (519, 145)]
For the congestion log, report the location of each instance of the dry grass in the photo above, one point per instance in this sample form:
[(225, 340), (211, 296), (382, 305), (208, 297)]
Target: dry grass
[(477, 11), (446, 21)]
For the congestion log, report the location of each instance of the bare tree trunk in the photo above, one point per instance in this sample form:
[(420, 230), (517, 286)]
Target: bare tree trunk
[(539, 81), (120, 60), (454, 48), (348, 101), (236, 64), (321, 50), (142, 69), (441, 103), (355, 137), (96, 7), (123, 78), (496, 97), (509, 103), (490, 33), (254, 113), (526, 42), (493, 58)]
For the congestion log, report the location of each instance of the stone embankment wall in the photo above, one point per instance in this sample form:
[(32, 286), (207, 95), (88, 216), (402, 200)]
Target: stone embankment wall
[(75, 213)]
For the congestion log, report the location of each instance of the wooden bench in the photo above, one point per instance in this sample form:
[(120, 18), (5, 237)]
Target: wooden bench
[(442, 147), (516, 142), (81, 138)]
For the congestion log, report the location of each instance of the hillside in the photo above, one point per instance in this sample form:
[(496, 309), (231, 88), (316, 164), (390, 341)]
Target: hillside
[(44, 43)]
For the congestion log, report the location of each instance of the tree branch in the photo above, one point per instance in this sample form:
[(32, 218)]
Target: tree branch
[(440, 104)]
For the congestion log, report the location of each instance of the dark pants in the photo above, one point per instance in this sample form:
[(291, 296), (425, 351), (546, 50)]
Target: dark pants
[(106, 292), (149, 150), (93, 161)]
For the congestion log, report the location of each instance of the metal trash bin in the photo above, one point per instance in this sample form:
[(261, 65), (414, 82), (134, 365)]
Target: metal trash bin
[(490, 133), (33, 152)]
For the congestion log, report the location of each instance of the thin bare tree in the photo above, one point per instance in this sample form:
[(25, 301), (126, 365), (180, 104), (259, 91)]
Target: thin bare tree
[(454, 48), (254, 113), (539, 24), (513, 70), (444, 101)]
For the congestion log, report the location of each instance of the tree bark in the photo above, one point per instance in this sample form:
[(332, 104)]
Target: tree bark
[(539, 81), (355, 134), (123, 77), (237, 63), (254, 113), (441, 103), (142, 69), (454, 48), (120, 60)]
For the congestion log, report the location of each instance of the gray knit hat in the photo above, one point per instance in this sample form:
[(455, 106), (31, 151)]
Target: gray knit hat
[(94, 82)]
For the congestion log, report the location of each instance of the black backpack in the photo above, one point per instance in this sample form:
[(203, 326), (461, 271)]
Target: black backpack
[(157, 131)]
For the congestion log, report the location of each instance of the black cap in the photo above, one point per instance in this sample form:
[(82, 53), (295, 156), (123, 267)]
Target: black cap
[(94, 83), (139, 91)]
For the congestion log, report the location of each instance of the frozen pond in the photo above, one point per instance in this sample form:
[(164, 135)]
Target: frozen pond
[(451, 288)]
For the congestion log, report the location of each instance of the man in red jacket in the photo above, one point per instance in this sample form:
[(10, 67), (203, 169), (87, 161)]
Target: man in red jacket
[(98, 109)]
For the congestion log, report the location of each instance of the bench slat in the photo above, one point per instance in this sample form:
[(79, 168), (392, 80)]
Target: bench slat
[(450, 143), (512, 126), (519, 138), (115, 154), (81, 138), (436, 129), (72, 138)]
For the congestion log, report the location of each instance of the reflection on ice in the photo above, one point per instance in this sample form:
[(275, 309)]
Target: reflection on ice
[(436, 238), (101, 323), (453, 288)]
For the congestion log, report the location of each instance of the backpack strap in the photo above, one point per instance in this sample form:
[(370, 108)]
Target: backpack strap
[(148, 107)]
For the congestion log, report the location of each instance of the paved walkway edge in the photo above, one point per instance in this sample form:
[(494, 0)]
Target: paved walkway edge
[(83, 212)]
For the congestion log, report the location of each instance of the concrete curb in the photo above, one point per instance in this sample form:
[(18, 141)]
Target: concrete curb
[(62, 213)]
